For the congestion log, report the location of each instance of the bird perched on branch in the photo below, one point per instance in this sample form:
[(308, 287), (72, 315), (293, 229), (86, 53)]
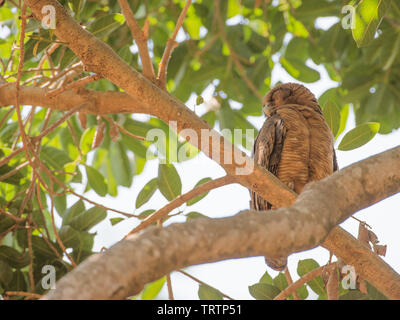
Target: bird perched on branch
[(295, 144)]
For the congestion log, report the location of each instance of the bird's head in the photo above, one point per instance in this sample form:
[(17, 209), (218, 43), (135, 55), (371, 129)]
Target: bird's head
[(289, 93)]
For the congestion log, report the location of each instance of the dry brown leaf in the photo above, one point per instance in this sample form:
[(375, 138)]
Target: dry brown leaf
[(363, 234), (99, 134), (114, 132), (362, 286), (373, 238), (380, 249), (332, 286)]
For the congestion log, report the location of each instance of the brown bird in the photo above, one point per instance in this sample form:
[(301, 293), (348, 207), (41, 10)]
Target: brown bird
[(295, 144)]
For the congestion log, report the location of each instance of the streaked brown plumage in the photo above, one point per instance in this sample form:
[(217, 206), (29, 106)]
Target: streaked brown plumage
[(294, 143)]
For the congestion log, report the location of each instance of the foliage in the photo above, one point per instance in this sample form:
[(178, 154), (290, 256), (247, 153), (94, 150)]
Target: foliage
[(268, 288), (235, 60)]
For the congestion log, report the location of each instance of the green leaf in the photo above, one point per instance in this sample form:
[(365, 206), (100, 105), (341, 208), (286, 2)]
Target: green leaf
[(169, 181), (88, 219), (115, 221), (192, 23), (199, 100), (344, 114), (69, 236), (6, 273), (152, 289), (194, 215), (55, 157), (354, 295), (368, 16), (40, 247), (298, 70), (147, 192), (76, 209), (77, 6), (296, 27), (280, 281), (121, 164), (14, 179), (146, 213), (359, 136), (264, 291), (200, 196), (103, 26), (332, 116), (266, 278), (209, 293), (96, 181), (316, 284), (302, 292), (14, 258), (18, 282), (87, 140), (373, 293)]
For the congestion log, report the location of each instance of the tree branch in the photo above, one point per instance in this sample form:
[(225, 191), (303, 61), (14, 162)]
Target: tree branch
[(162, 71), (304, 279), (97, 102), (141, 40), (161, 213), (124, 269)]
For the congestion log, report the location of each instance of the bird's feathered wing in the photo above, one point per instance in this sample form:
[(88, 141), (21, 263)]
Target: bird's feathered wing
[(267, 152)]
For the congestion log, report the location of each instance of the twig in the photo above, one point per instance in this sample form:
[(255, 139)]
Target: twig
[(123, 130), (290, 282), (203, 283), (30, 250), (159, 214), (169, 286), (10, 156), (332, 287), (141, 40), (23, 294), (74, 67), (53, 223), (306, 278), (58, 122), (171, 44), (14, 171), (10, 215), (4, 119), (17, 106), (78, 83)]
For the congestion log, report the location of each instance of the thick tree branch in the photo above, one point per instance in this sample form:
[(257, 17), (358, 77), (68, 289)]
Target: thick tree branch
[(125, 268), (98, 102)]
